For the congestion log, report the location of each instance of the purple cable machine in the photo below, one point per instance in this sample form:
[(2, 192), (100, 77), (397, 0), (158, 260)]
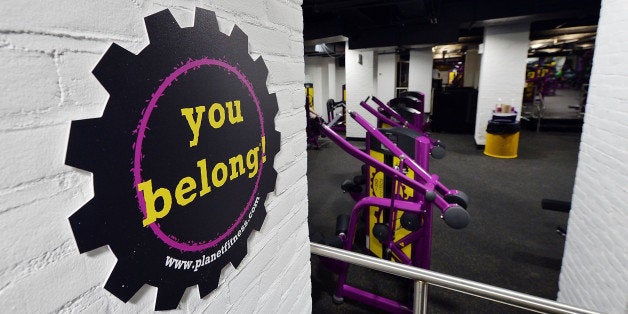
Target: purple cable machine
[(427, 191)]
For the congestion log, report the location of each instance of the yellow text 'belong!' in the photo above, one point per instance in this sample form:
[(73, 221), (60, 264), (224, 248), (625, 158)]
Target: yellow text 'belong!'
[(186, 190)]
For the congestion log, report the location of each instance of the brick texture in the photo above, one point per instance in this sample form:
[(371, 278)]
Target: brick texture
[(360, 84), (594, 274), (502, 72), (48, 50), (420, 74)]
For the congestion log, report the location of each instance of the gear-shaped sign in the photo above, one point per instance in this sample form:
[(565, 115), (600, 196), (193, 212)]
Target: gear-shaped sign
[(182, 158)]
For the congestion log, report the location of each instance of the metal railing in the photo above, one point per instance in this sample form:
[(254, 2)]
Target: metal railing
[(423, 278)]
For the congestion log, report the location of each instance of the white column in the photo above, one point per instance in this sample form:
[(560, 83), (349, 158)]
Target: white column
[(323, 89), (420, 74), (594, 273), (314, 75), (331, 79), (502, 72), (386, 76), (340, 80), (359, 86), (471, 68)]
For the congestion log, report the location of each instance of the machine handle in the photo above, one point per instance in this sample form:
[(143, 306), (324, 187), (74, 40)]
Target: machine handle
[(392, 112), (456, 217), (378, 115), (392, 147), (453, 215)]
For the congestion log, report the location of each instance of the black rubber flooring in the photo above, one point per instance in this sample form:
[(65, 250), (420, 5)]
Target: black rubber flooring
[(510, 242)]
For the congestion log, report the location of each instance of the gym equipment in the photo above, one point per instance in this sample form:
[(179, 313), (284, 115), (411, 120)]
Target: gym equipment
[(313, 125), (336, 120), (418, 103), (309, 94), (401, 207), (559, 206), (407, 110), (404, 111), (405, 115), (312, 128), (406, 131)]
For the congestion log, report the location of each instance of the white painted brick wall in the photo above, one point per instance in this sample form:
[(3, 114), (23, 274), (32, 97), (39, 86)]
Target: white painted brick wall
[(386, 76), (322, 72), (323, 91), (314, 75), (341, 76), (332, 83), (47, 53), (360, 84), (471, 68), (595, 264), (502, 72), (420, 74)]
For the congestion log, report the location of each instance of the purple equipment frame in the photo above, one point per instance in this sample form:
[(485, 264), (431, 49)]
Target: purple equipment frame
[(386, 114), (428, 191)]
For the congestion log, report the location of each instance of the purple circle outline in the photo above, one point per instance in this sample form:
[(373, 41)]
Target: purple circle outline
[(141, 134)]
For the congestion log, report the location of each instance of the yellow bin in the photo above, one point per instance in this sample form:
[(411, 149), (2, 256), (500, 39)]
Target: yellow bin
[(502, 145)]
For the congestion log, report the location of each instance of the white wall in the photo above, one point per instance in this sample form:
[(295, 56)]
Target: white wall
[(360, 84), (472, 68), (420, 74), (386, 76), (331, 80), (327, 80), (502, 72), (595, 264), (48, 50), (340, 80), (314, 74), (323, 89)]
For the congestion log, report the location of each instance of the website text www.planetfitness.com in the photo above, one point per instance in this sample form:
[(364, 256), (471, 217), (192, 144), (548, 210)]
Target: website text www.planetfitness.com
[(207, 259)]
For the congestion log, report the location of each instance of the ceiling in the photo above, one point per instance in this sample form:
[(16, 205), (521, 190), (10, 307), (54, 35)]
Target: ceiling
[(564, 24)]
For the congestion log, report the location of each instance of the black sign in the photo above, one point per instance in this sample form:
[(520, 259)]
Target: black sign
[(182, 158)]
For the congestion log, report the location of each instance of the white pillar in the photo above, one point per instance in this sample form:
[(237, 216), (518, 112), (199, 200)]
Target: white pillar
[(360, 71), (340, 80), (322, 72), (314, 75), (471, 68), (502, 72), (594, 273), (323, 89), (386, 76), (420, 74), (331, 79)]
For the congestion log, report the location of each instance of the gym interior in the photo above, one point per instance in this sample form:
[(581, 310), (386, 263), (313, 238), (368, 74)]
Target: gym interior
[(498, 92), (475, 149)]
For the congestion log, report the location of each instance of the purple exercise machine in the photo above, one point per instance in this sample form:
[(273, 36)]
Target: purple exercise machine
[(336, 120), (417, 208), (404, 111), (387, 117)]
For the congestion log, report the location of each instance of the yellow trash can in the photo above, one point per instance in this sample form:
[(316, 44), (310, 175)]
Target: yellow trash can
[(502, 140)]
